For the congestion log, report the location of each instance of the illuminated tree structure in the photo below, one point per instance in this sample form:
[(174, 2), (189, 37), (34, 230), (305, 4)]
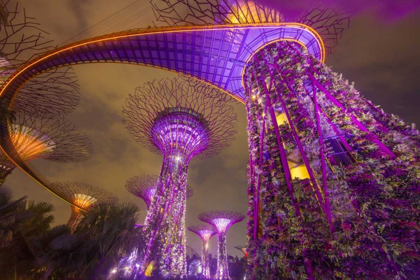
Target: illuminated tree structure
[(83, 196), (181, 119), (205, 232), (243, 250), (144, 186), (327, 167), (51, 139), (222, 220), (327, 171)]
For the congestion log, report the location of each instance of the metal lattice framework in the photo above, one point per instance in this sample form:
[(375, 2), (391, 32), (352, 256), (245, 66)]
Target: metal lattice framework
[(151, 110), (51, 139), (145, 186), (327, 21), (205, 232), (181, 119), (222, 221), (21, 39), (84, 196)]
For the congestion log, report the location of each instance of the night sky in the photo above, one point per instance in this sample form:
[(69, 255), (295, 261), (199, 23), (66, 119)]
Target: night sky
[(380, 55)]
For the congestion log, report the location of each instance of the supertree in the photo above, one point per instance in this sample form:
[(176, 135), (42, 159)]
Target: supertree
[(181, 119), (144, 186), (83, 196), (327, 167), (222, 220), (205, 232), (21, 39), (51, 139), (243, 250)]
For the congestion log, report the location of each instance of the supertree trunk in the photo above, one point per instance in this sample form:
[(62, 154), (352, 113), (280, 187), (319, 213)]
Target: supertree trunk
[(222, 271), (205, 259), (327, 169), (164, 225), (74, 219)]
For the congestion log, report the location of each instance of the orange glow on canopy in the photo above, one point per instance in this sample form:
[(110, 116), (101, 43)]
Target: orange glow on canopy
[(84, 201), (30, 143), (250, 13)]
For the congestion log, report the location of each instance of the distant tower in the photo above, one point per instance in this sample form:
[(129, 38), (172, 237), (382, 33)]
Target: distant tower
[(222, 220), (180, 119), (84, 196), (205, 232), (144, 186), (51, 139)]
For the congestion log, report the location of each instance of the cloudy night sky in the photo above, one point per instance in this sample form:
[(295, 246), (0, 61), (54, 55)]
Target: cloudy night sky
[(379, 53)]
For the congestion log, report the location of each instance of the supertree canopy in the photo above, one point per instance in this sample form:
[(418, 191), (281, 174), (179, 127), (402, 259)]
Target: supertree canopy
[(51, 139), (83, 196), (205, 232), (327, 21), (243, 250), (222, 220), (181, 119), (144, 186), (21, 39)]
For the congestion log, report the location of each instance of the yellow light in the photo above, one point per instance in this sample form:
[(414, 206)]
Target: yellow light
[(250, 13), (83, 201), (207, 245), (282, 119), (299, 172), (149, 269), (30, 143)]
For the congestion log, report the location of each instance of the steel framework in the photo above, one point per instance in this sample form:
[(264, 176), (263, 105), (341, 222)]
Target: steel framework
[(318, 149), (84, 196), (181, 119), (205, 232), (328, 22), (21, 39), (222, 221)]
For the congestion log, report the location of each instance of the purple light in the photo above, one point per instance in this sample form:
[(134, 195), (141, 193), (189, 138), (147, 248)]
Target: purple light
[(221, 224), (222, 220), (179, 119), (205, 232), (179, 133)]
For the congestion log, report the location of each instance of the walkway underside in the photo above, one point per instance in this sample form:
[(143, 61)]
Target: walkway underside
[(214, 54)]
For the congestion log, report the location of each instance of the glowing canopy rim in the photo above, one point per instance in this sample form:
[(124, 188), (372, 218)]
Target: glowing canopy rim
[(126, 34)]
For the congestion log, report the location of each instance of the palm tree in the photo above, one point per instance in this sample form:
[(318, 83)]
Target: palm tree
[(20, 222), (103, 236)]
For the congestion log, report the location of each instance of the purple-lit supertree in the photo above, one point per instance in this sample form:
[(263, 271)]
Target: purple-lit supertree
[(205, 232), (222, 220), (333, 183), (84, 196), (144, 186), (181, 119), (51, 139)]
